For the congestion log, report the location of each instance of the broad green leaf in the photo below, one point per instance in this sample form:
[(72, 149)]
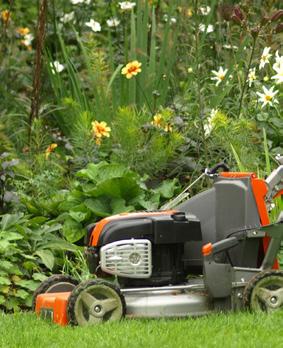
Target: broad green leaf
[(118, 205), (46, 257), (5, 281), (167, 188), (9, 220), (10, 267), (73, 230), (99, 206), (2, 299), (39, 276), (28, 284), (4, 246), (12, 236), (78, 215), (21, 294)]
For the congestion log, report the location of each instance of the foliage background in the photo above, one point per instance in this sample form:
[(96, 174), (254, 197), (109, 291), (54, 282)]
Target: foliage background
[(166, 124)]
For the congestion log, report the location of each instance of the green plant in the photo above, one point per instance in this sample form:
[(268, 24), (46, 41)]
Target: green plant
[(29, 249), (104, 189)]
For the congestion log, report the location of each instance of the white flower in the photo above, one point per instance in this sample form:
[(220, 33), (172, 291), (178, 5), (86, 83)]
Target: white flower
[(267, 97), (209, 122), (76, 2), (204, 10), (113, 22), (229, 47), (56, 67), (251, 76), (206, 29), (27, 40), (68, 17), (279, 76), (278, 61), (127, 5), (173, 20), (264, 57), (219, 75), (95, 26)]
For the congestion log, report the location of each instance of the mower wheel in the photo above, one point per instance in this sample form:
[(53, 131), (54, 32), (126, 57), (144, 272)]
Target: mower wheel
[(95, 301), (55, 283), (264, 292)]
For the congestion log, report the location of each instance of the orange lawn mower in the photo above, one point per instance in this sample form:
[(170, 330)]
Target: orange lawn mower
[(216, 251)]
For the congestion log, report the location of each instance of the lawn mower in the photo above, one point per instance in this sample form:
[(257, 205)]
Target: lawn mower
[(216, 251)]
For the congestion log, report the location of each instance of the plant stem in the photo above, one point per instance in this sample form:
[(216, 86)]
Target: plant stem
[(40, 36), (198, 74), (246, 78), (145, 97)]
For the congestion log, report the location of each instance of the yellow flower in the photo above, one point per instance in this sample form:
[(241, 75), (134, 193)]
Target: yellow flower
[(189, 12), (132, 69), (168, 128), (99, 130), (50, 149), (157, 120), (5, 15), (23, 31)]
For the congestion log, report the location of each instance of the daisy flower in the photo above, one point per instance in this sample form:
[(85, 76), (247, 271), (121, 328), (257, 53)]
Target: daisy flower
[(127, 5), (93, 25), (219, 75), (251, 77), (267, 97), (264, 59), (68, 17), (279, 76), (113, 22), (56, 67), (206, 28), (100, 130)]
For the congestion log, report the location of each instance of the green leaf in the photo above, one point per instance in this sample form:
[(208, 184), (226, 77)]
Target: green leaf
[(78, 215), (73, 230), (2, 299), (46, 257), (28, 284), (5, 281), (4, 246), (10, 267), (167, 188), (13, 236), (9, 220), (100, 206), (39, 276), (118, 205), (21, 294)]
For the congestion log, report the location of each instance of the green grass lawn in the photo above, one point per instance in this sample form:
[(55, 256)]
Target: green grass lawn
[(232, 330)]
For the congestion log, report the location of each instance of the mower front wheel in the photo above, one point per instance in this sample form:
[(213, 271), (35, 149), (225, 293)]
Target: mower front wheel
[(55, 283), (264, 292), (95, 301)]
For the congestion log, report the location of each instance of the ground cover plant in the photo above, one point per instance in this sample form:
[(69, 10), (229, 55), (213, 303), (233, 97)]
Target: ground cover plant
[(112, 106)]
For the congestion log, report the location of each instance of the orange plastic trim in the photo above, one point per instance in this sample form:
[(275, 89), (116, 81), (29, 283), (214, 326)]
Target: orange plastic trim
[(95, 234), (56, 303), (278, 194), (260, 190), (237, 174), (207, 249)]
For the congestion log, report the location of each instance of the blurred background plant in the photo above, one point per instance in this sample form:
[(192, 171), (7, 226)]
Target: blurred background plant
[(163, 88)]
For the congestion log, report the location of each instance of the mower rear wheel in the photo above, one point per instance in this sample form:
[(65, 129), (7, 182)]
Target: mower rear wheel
[(95, 301), (264, 292), (55, 283)]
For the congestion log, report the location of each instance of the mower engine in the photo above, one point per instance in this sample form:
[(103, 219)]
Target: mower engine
[(142, 249)]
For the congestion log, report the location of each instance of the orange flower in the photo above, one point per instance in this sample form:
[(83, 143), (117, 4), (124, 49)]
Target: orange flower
[(131, 69), (23, 31), (5, 15), (50, 149), (99, 130)]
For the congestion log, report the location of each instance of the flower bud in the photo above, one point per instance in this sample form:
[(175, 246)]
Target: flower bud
[(238, 13), (277, 15), (255, 32), (264, 20), (236, 19)]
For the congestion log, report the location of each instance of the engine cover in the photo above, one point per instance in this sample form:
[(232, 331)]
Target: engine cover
[(129, 258)]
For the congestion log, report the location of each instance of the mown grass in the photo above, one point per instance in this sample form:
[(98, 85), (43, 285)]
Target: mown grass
[(230, 330)]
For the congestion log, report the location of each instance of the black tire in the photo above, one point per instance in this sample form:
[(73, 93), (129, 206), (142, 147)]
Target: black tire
[(79, 314), (55, 283), (266, 281)]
